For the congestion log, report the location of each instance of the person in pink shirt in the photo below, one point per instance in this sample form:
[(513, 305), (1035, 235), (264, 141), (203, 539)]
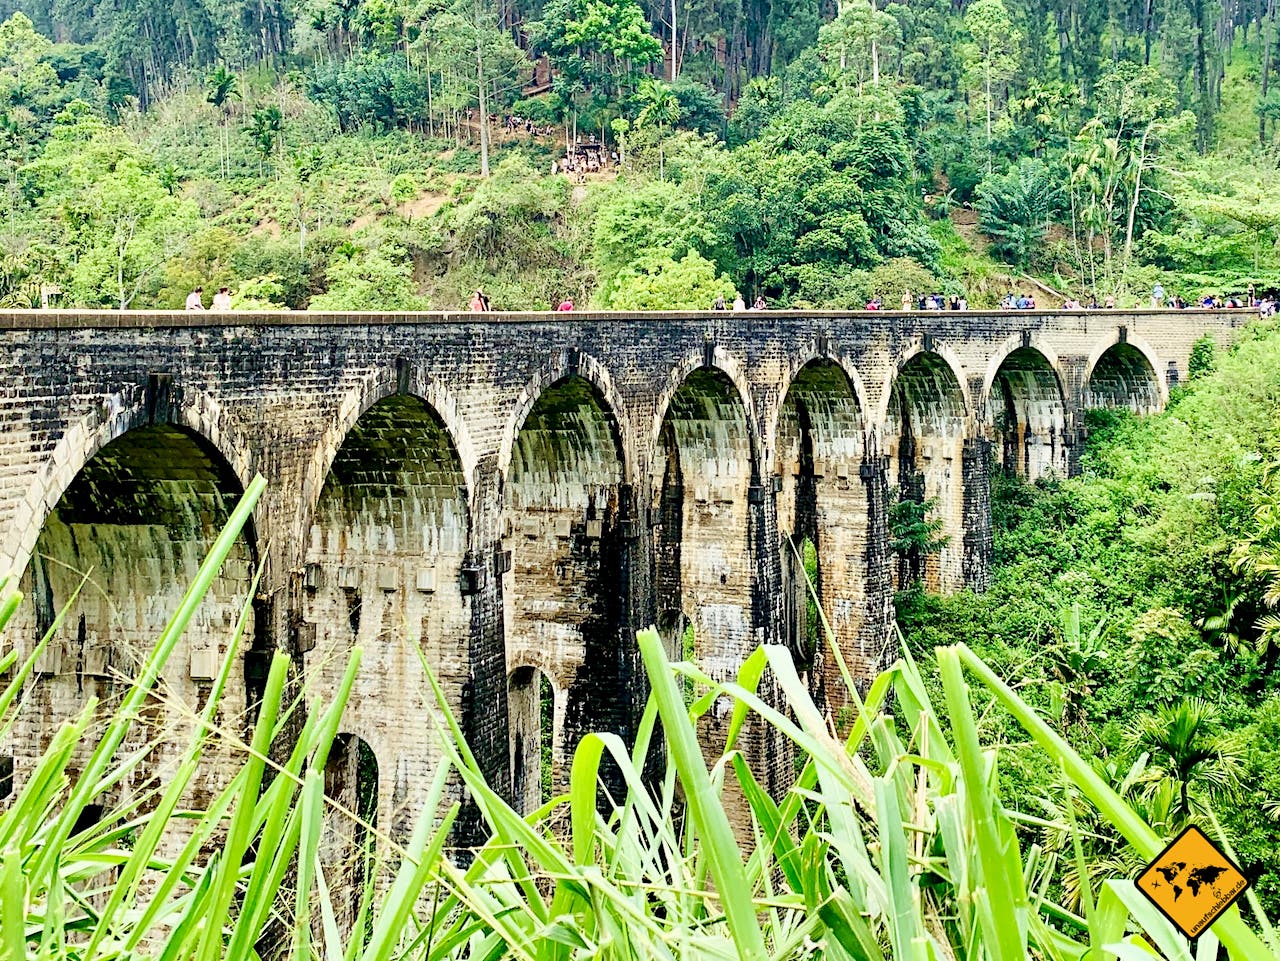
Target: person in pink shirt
[(566, 304)]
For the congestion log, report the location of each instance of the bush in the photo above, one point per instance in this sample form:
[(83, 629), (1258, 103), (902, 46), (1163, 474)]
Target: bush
[(1203, 357), (374, 277), (701, 108), (1015, 209), (541, 109), (658, 281)]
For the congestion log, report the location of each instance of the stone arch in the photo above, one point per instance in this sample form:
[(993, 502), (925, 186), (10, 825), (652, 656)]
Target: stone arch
[(712, 358), (138, 518), (389, 536), (941, 355), (1125, 372), (407, 379), (536, 715), (353, 779), (1025, 405), (706, 478), (566, 516), (825, 523), (135, 406), (563, 365), (798, 365), (926, 423)]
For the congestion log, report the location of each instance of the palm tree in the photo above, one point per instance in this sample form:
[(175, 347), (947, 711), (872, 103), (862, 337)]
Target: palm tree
[(659, 108), (1107, 854), (1076, 661), (1184, 751), (221, 87), (267, 125)]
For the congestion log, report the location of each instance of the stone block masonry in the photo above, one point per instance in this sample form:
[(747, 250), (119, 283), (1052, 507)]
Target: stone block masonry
[(513, 496)]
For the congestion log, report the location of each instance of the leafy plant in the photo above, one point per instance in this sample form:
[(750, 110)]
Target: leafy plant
[(915, 533), (1187, 752), (1015, 209)]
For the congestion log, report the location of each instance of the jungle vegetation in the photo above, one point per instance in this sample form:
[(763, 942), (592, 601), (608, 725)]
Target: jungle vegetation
[(338, 153), (1137, 606)]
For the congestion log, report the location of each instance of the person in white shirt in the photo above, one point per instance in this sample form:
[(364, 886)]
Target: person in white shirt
[(739, 303), (195, 299), (222, 299)]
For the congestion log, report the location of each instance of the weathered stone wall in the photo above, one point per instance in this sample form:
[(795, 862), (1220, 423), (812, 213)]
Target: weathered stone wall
[(926, 429), (386, 543), (447, 481), (114, 559), (825, 498), (563, 588)]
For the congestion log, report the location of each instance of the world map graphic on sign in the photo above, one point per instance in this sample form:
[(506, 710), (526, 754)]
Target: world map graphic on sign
[(1192, 882)]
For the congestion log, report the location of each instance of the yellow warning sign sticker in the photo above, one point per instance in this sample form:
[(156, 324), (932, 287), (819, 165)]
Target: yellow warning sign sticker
[(1192, 882)]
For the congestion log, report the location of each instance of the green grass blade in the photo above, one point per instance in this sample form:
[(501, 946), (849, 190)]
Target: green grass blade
[(8, 603), (903, 917), (705, 810), (1004, 909), (773, 831), (238, 832), (13, 905)]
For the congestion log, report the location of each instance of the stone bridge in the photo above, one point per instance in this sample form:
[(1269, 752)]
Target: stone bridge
[(514, 496)]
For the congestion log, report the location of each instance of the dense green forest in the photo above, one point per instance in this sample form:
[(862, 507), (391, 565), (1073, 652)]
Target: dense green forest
[(363, 153)]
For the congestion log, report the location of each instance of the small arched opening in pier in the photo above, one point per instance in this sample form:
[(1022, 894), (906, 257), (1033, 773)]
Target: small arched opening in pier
[(347, 844), (531, 704)]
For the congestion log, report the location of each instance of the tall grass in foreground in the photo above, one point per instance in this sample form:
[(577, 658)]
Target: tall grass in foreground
[(892, 843)]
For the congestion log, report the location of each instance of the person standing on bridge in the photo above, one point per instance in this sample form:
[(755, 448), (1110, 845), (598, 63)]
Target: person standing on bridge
[(195, 299), (906, 301), (222, 299)]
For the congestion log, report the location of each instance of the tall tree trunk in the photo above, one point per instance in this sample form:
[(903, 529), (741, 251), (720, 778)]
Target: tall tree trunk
[(1268, 32), (675, 48), (1204, 106), (1147, 23), (484, 109), (875, 50), (1133, 203), (431, 121), (988, 90)]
